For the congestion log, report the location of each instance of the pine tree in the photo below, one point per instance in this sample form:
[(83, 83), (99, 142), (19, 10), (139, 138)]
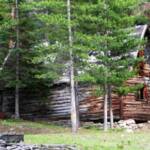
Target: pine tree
[(104, 28), (55, 18), (19, 47)]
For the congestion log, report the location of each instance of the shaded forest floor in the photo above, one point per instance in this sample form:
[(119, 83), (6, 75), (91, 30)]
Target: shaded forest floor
[(86, 139), (30, 127)]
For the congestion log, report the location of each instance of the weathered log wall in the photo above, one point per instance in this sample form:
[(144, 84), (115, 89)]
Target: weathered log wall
[(32, 104), (90, 107), (59, 102), (57, 105), (133, 107), (138, 110)]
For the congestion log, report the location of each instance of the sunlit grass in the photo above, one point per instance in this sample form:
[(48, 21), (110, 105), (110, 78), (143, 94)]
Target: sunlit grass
[(96, 141)]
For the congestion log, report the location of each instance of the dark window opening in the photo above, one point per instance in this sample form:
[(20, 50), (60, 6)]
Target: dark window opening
[(142, 94)]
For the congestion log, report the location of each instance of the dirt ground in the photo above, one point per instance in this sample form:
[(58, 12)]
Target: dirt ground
[(24, 130), (29, 127)]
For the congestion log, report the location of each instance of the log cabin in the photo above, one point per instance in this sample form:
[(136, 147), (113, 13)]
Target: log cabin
[(134, 105), (57, 105)]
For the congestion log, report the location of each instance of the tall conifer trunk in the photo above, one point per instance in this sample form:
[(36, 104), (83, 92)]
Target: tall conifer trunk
[(105, 107), (74, 114), (110, 107), (17, 114)]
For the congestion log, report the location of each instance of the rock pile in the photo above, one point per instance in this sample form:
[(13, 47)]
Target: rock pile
[(129, 125), (15, 142), (22, 146)]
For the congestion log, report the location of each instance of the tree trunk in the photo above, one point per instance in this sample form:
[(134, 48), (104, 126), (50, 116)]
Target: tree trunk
[(74, 114), (77, 103), (105, 107), (11, 42), (110, 107), (17, 114)]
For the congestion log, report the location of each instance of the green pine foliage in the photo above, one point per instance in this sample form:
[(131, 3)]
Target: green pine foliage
[(101, 26), (105, 27), (51, 51), (41, 47)]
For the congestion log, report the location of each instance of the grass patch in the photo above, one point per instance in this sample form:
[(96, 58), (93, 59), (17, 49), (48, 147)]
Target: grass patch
[(29, 124), (96, 140), (86, 139)]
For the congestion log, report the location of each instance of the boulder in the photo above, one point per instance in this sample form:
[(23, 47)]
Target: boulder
[(141, 125), (130, 121), (126, 124), (12, 138)]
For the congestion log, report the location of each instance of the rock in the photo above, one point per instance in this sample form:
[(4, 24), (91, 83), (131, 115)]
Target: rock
[(123, 125), (121, 121), (129, 124), (133, 126), (22, 146), (2, 142), (3, 148), (6, 145), (141, 125), (130, 121), (12, 138)]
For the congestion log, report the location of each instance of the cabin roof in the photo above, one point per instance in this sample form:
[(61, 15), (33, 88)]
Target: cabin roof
[(140, 31)]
